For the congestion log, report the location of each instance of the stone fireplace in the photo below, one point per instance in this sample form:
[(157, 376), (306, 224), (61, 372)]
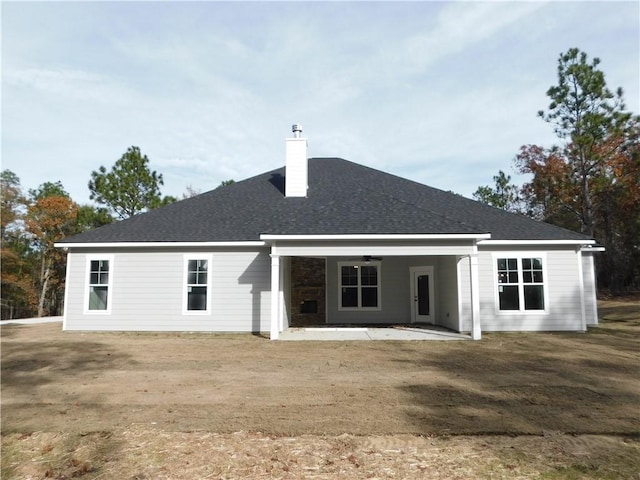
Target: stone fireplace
[(308, 291)]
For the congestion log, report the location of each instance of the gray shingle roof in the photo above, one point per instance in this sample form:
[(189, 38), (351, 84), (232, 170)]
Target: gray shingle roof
[(343, 198)]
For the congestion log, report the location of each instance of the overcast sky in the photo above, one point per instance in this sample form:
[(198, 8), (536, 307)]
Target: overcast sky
[(443, 93)]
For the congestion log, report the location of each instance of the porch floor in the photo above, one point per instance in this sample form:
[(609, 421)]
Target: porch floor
[(349, 333)]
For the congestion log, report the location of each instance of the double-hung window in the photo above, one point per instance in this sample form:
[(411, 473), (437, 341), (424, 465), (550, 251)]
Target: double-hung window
[(359, 286), (197, 298), (521, 283), (99, 280)]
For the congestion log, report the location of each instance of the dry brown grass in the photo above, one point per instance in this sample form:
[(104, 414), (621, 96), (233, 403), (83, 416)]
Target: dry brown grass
[(178, 406)]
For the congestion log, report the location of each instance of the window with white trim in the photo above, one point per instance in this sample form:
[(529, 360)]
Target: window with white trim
[(197, 296), (359, 284), (99, 279), (521, 284)]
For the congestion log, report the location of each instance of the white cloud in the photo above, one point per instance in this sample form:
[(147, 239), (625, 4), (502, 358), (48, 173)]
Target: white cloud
[(443, 93)]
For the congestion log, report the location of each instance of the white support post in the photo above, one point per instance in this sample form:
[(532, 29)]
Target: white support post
[(583, 309), (281, 309), (476, 330), (593, 293), (275, 297)]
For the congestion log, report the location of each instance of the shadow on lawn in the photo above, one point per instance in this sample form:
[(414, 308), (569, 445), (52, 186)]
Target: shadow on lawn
[(31, 364), (530, 384)]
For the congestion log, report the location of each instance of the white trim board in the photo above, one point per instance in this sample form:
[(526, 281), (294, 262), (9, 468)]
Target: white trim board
[(463, 236), (158, 244)]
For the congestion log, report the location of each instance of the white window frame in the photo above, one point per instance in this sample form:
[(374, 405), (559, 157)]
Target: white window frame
[(185, 286), (545, 282), (359, 286), (109, 284)]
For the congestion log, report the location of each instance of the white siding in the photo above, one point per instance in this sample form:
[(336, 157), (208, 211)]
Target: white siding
[(563, 300), (447, 293), (148, 292)]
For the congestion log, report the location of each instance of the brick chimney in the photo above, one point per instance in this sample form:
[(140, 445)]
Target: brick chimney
[(296, 164)]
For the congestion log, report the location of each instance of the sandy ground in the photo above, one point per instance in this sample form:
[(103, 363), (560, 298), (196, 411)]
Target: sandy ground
[(123, 405)]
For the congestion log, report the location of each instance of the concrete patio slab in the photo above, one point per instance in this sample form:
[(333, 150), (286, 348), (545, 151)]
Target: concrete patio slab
[(369, 333)]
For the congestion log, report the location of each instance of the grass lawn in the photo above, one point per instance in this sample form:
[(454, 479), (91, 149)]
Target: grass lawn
[(187, 406)]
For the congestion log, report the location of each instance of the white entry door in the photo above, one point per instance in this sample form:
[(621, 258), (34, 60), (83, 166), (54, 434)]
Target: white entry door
[(422, 287)]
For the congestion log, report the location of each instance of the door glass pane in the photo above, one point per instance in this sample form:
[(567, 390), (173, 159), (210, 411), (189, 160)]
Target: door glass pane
[(423, 295)]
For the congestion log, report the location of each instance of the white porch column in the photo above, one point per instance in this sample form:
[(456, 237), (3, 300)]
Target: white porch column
[(275, 297), (583, 309), (476, 331)]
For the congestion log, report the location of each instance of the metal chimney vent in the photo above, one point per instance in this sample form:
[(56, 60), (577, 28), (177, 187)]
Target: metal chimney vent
[(296, 128)]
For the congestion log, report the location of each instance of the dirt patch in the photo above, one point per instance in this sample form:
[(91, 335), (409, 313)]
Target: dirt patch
[(126, 405)]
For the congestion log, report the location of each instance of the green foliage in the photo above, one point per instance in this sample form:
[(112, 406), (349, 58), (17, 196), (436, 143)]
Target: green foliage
[(130, 187), (582, 109), (19, 295), (48, 189), (505, 195), (90, 217), (225, 183), (585, 113), (12, 201)]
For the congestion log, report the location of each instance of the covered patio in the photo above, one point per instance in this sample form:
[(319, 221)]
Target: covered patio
[(447, 262)]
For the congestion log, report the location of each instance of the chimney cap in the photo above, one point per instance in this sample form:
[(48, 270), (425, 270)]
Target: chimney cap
[(296, 128)]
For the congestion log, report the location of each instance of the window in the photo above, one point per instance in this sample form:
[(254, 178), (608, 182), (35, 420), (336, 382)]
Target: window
[(98, 293), (197, 296), (520, 283), (359, 286)]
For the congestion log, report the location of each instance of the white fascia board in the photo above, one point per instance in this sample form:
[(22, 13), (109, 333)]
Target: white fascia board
[(158, 244), (482, 243), (593, 248), (462, 236)]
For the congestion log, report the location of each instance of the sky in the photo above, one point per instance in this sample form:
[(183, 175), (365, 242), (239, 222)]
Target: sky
[(443, 93)]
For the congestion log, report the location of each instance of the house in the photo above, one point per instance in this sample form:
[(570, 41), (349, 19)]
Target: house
[(327, 241)]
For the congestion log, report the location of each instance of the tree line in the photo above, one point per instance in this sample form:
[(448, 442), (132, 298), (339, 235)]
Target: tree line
[(590, 181)]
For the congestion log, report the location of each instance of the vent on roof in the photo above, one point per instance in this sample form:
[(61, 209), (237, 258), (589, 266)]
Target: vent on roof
[(296, 166)]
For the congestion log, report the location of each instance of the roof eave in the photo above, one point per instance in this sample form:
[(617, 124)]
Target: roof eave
[(158, 244), (411, 236), (583, 242)]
